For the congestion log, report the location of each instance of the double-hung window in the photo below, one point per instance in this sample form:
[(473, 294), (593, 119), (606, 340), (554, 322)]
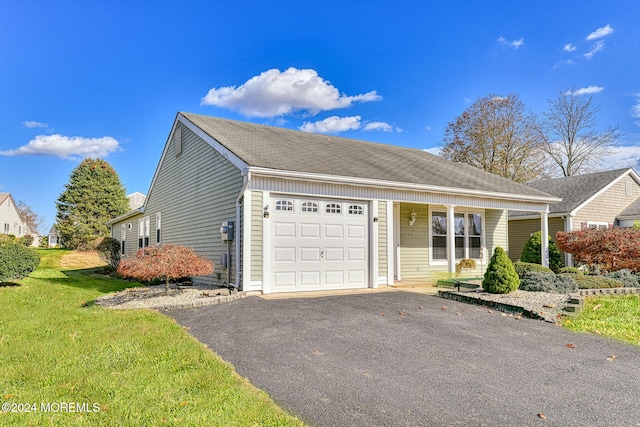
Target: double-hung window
[(467, 229)]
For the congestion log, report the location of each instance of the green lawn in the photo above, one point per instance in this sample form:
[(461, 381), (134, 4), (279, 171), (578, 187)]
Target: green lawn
[(617, 317), (137, 367)]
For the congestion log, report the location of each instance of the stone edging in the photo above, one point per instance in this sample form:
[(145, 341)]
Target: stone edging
[(509, 308), (206, 300), (576, 301)]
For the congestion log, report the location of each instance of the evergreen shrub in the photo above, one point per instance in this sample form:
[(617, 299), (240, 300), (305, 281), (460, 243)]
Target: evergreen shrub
[(16, 260), (548, 282), (523, 268), (628, 279), (570, 270), (531, 252), (594, 282), (500, 277)]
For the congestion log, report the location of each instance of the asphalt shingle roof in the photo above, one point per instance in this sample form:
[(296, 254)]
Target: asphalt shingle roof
[(289, 150), (573, 190)]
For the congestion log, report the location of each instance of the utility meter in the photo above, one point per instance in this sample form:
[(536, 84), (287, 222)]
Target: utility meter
[(226, 231)]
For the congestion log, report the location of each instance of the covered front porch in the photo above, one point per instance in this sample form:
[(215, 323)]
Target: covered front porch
[(431, 239)]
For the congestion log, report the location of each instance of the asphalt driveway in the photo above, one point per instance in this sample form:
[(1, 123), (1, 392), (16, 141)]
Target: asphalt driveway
[(406, 359)]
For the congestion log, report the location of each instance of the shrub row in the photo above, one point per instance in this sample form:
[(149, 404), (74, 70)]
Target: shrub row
[(535, 281)]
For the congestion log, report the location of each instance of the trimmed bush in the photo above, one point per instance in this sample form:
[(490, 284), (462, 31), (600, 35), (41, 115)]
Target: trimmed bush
[(500, 277), (570, 270), (531, 252), (547, 282), (109, 251), (628, 279), (523, 268), (594, 282), (16, 260)]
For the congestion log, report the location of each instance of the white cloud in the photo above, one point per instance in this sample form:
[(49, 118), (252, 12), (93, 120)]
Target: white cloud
[(569, 47), (66, 147), (333, 124), (428, 128), (589, 90), (596, 48), (33, 124), (635, 109), (514, 44), (381, 126), (600, 32), (624, 156), (274, 93)]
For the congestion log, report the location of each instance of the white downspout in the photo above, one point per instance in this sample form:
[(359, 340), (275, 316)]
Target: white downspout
[(247, 177)]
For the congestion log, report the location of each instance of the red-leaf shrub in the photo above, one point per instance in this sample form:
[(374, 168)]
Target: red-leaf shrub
[(614, 249), (166, 262)]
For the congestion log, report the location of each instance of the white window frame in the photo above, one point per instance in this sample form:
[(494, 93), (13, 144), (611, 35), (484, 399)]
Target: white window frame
[(333, 208), (466, 213), (309, 207), (597, 225), (123, 238), (143, 232), (285, 205), (6, 228)]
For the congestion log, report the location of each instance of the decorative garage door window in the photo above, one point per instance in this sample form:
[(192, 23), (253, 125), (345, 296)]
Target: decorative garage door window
[(309, 207), (356, 210), (334, 208), (284, 205)]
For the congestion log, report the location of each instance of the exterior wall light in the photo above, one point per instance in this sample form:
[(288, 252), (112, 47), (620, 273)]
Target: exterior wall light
[(413, 218), (265, 212), (375, 219)]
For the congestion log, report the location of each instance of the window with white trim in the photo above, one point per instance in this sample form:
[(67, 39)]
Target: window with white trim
[(467, 230), (334, 208), (284, 205), (597, 225), (143, 232), (309, 207), (356, 210)]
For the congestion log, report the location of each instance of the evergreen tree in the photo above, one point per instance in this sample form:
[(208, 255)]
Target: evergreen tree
[(501, 276), (93, 196), (532, 252)]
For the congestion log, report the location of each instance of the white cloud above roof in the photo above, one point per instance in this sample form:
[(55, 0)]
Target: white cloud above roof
[(335, 124), (513, 43), (65, 147), (589, 90), (276, 93), (33, 124), (600, 32)]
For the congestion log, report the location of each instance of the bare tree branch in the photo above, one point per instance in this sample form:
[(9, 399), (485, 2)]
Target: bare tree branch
[(572, 140)]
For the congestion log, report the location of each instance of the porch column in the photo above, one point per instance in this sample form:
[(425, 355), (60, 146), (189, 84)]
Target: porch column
[(451, 239), (544, 244), (568, 226)]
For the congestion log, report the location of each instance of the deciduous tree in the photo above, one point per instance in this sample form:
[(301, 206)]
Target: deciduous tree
[(613, 249), (32, 220), (166, 262), (93, 196), (498, 135), (572, 139)]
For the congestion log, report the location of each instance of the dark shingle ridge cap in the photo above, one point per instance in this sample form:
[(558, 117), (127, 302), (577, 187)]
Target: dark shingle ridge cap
[(285, 149)]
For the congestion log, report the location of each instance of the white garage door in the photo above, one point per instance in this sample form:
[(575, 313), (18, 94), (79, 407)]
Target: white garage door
[(318, 244)]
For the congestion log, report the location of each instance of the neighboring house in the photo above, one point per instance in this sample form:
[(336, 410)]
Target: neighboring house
[(136, 200), (597, 200), (315, 212), (10, 221), (54, 237)]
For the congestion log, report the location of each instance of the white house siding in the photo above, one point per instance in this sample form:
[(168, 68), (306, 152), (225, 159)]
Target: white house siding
[(382, 242), (10, 219), (257, 206), (195, 192)]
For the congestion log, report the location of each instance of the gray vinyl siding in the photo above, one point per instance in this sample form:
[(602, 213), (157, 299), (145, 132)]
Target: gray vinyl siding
[(195, 192), (382, 239), (131, 233), (256, 235)]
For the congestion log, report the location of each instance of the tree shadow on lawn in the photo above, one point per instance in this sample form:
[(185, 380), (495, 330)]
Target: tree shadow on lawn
[(8, 284), (93, 279)]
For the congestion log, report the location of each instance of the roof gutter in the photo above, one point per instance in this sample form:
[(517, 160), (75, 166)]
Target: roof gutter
[(397, 185), (125, 216)]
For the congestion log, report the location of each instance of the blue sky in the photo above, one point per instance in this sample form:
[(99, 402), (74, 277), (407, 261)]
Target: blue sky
[(87, 79)]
